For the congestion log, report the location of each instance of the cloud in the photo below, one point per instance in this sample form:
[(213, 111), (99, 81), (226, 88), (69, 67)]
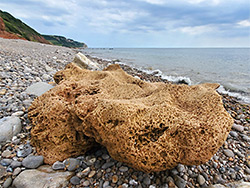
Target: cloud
[(197, 30), (244, 23)]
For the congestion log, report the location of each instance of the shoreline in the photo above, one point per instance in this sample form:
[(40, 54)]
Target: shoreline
[(25, 63)]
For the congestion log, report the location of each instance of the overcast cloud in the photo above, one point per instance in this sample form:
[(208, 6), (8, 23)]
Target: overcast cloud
[(139, 23)]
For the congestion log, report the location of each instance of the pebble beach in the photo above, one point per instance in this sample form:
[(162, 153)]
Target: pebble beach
[(24, 63)]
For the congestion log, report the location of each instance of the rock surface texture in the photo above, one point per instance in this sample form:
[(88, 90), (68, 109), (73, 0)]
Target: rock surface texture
[(149, 126)]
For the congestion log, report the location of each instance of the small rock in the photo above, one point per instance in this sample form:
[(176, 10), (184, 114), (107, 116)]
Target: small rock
[(115, 179), (7, 183), (18, 113), (71, 164), (228, 153), (9, 126), (38, 88), (246, 138), (25, 151), (75, 180), (233, 134), (5, 162), (58, 165), (6, 153), (247, 170), (107, 165), (238, 128), (86, 171), (86, 183), (17, 171), (201, 180), (32, 161), (146, 180), (123, 169), (181, 183), (15, 164), (42, 177), (91, 174), (180, 168)]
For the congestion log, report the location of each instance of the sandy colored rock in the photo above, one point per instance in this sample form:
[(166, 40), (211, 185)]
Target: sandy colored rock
[(149, 126)]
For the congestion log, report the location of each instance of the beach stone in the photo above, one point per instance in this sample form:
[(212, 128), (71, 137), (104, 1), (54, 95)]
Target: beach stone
[(6, 162), (6, 153), (115, 109), (201, 180), (75, 180), (83, 62), (38, 88), (86, 183), (15, 164), (24, 151), (42, 177), (71, 164), (58, 165), (32, 161), (228, 153), (238, 128), (181, 183), (9, 126), (17, 171), (123, 169), (2, 171), (7, 182)]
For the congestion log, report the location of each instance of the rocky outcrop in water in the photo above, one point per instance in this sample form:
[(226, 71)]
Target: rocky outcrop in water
[(150, 126)]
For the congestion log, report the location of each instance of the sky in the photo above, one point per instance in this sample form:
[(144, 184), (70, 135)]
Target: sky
[(139, 23)]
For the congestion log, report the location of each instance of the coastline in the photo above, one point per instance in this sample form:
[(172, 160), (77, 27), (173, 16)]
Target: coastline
[(24, 63)]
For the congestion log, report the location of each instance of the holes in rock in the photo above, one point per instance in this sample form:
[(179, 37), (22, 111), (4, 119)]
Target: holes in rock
[(202, 132), (174, 133)]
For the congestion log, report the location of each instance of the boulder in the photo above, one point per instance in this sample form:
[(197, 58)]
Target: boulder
[(42, 177), (9, 126), (149, 126), (85, 63)]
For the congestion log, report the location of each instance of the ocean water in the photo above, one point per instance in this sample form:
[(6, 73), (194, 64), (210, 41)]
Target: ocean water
[(229, 67)]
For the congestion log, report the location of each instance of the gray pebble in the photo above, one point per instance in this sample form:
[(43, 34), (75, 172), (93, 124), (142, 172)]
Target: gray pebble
[(247, 170), (86, 183), (201, 180), (17, 171), (6, 162), (7, 183), (15, 164), (6, 153), (228, 153), (32, 161), (107, 165), (75, 180), (238, 128), (123, 169), (246, 138), (71, 164), (181, 183), (233, 134), (25, 151), (146, 180), (180, 168), (58, 165), (105, 156), (105, 184)]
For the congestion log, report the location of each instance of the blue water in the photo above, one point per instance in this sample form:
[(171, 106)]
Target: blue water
[(228, 66)]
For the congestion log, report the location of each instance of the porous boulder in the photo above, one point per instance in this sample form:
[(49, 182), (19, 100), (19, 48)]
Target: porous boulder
[(149, 126)]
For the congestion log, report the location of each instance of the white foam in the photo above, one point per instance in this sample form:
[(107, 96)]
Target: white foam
[(239, 96)]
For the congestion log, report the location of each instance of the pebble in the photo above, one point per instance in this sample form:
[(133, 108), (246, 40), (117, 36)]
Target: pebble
[(6, 162), (17, 171), (123, 169), (71, 164), (6, 154), (146, 180), (115, 179), (181, 183), (201, 180), (58, 165), (24, 151), (238, 128), (228, 153), (7, 183), (107, 165), (32, 161), (86, 183), (75, 180), (91, 174), (15, 164), (180, 168)]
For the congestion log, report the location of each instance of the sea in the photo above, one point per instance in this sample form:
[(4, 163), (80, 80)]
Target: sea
[(230, 67)]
